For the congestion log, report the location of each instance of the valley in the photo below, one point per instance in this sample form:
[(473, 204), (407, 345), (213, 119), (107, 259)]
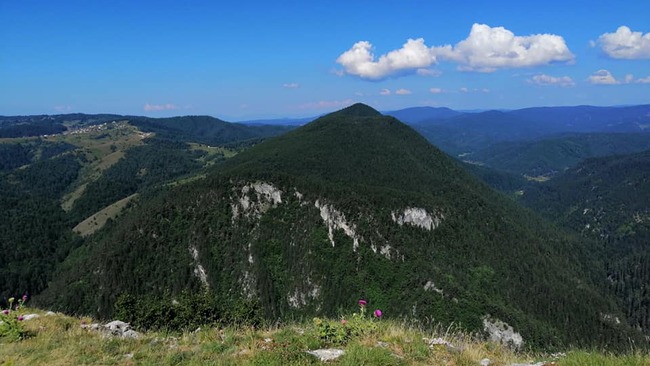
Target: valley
[(273, 222)]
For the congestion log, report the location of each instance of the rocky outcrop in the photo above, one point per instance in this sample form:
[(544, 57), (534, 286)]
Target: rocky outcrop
[(116, 328), (417, 217), (335, 219), (501, 332), (266, 195)]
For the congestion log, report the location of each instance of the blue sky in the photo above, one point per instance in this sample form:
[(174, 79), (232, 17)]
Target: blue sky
[(263, 59)]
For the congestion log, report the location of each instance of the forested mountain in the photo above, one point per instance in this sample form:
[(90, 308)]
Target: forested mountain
[(205, 129), (471, 132), (550, 156), (51, 183), (353, 205), (608, 199)]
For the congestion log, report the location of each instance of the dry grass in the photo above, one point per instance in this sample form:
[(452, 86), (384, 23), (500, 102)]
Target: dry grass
[(60, 340)]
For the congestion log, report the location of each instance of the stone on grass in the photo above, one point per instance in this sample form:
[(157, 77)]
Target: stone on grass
[(328, 354)]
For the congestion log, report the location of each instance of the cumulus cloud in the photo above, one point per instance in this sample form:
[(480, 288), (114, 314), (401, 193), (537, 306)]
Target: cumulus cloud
[(603, 77), (360, 61), (384, 92), (291, 85), (486, 49), (625, 44), (544, 80), (159, 107), (436, 90), (402, 92), (645, 80)]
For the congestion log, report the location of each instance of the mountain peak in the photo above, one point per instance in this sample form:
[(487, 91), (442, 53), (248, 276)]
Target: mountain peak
[(357, 110)]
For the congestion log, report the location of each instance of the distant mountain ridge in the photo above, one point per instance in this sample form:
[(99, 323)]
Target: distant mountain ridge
[(205, 129)]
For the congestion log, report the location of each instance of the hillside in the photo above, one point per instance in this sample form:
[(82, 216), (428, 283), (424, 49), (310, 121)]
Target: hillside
[(54, 339), (608, 199), (52, 183), (550, 156), (354, 204)]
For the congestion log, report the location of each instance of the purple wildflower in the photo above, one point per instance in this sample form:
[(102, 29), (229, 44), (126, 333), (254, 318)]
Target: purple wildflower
[(378, 313), (362, 302)]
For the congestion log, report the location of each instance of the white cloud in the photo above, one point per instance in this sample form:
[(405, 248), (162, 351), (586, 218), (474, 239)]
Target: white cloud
[(603, 77), (159, 107), (544, 80), (486, 49), (360, 61), (291, 85), (402, 92), (384, 92), (476, 90), (436, 90), (625, 44)]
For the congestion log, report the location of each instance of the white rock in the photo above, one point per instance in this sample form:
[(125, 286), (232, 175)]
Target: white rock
[(31, 316), (131, 334), (501, 332), (419, 217), (485, 362), (118, 325), (327, 354)]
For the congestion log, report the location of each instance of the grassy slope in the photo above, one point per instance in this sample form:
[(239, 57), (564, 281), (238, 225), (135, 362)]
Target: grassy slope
[(103, 148), (60, 340), (99, 219)]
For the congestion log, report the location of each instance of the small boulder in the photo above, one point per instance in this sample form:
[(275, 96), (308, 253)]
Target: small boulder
[(30, 316), (328, 354)]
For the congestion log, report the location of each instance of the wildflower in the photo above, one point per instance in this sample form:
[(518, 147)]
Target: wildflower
[(21, 318), (378, 313), (11, 300), (362, 302), (24, 297), (5, 312), (344, 322)]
